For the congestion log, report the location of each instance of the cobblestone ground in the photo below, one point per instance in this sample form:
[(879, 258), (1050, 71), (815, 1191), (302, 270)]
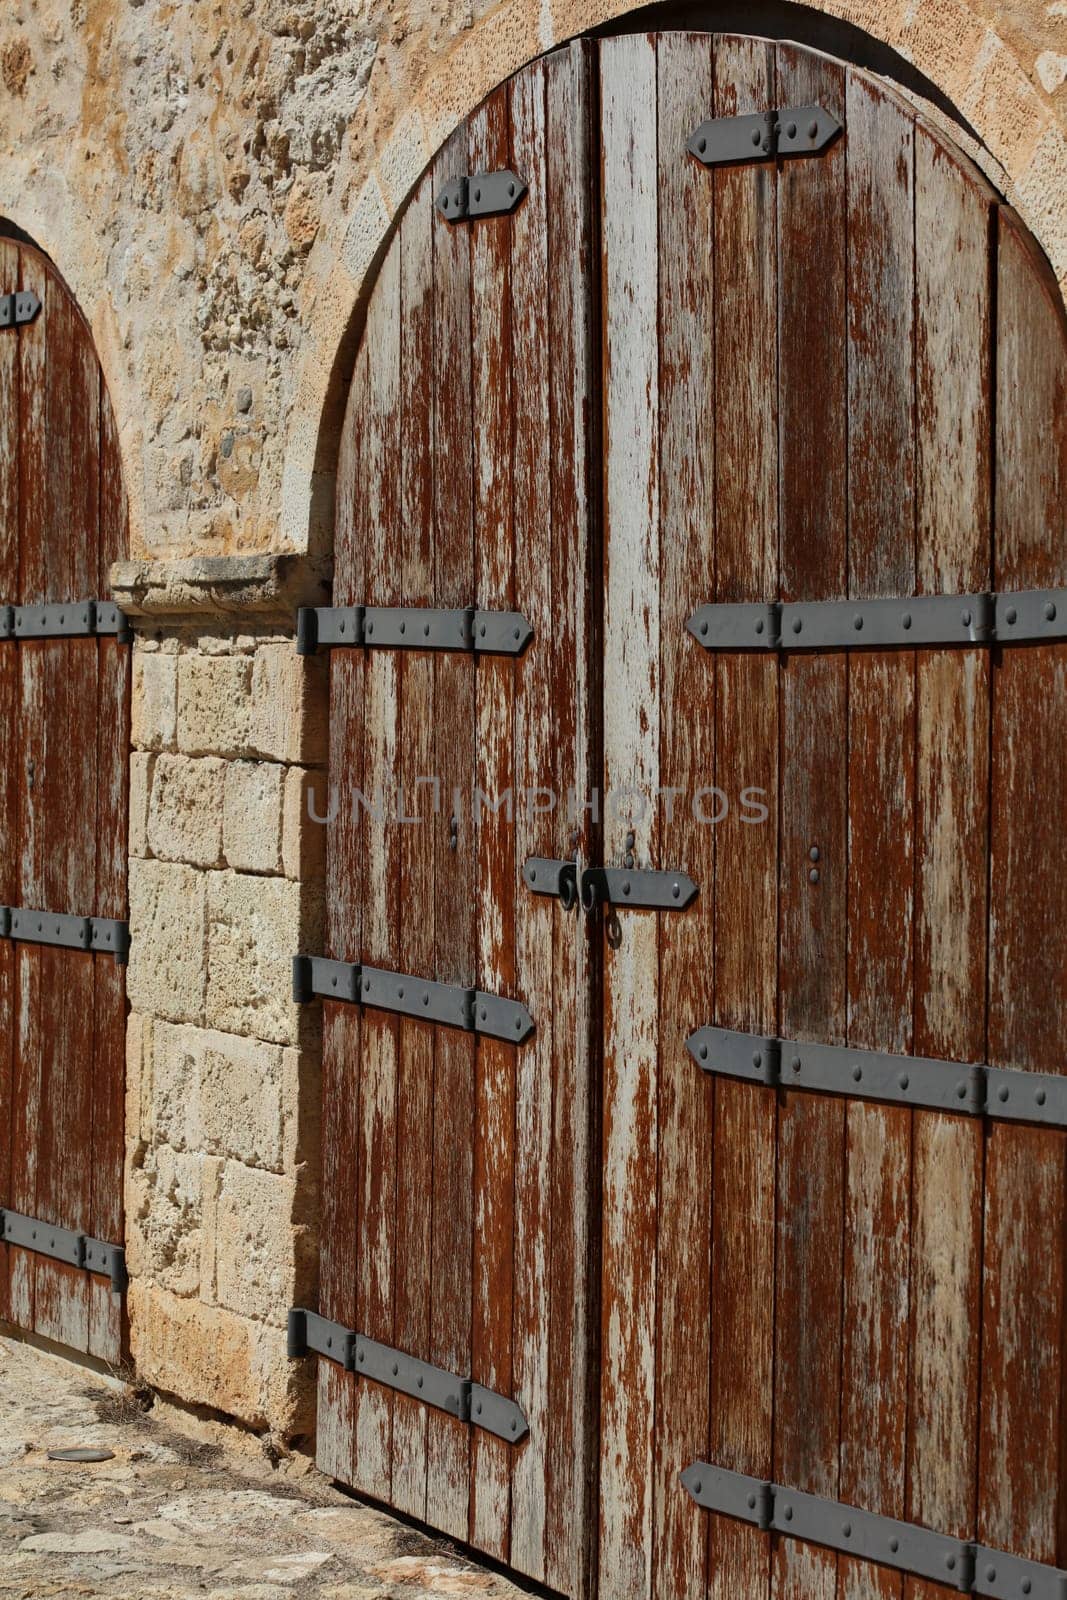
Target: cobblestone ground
[(185, 1507)]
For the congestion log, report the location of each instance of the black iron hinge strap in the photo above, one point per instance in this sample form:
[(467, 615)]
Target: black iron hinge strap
[(909, 623), (760, 135), (18, 308), (483, 194), (971, 1088), (65, 619), (958, 1563), (64, 1244), (473, 1010), (467, 1401), (615, 886), (106, 935), (502, 633)]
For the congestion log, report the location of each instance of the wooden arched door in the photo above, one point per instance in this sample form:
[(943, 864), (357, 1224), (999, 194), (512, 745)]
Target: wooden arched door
[(782, 1313), (65, 712)]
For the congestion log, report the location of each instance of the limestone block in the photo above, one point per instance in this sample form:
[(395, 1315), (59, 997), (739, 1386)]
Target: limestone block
[(304, 839), (153, 712), (166, 976), (255, 927), (214, 705), (164, 1205), (141, 766), (173, 1114), (252, 826), (240, 1099), (256, 1243), (207, 1355), (290, 704), (185, 810)]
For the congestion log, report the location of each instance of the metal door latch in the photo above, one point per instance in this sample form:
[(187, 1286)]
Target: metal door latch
[(616, 886), (484, 194), (794, 131), (17, 308)]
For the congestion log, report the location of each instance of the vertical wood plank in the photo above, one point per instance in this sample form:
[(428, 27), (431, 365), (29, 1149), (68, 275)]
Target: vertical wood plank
[(746, 853), (379, 492), (570, 1514), (1021, 1501), (109, 1031), (416, 910), (9, 579), (448, 1441), (538, 922), (631, 765), (881, 802), (813, 776), (489, 149), (953, 437), (684, 90), (341, 1024)]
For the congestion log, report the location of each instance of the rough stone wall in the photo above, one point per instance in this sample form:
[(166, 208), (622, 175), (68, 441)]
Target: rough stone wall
[(215, 179), (223, 1079)]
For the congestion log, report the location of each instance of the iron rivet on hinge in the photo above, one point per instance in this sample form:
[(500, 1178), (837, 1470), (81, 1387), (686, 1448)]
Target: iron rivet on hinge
[(857, 622), (1012, 614), (966, 619), (797, 624), (1050, 612)]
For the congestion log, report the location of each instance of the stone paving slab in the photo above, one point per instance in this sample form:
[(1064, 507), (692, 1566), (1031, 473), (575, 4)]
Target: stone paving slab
[(187, 1507)]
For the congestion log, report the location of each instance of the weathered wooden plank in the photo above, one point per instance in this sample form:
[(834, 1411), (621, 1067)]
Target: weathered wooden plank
[(448, 1441), (341, 1024), (66, 677), (32, 578), (570, 1516), (812, 982), (1020, 1490), (631, 775), (881, 799), (953, 427), (106, 1310), (9, 731), (416, 910), (746, 853), (492, 364), (538, 923), (686, 379), (379, 492)]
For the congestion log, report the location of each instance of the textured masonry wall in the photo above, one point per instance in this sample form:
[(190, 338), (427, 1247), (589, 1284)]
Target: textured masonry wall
[(214, 181), (223, 1069)]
